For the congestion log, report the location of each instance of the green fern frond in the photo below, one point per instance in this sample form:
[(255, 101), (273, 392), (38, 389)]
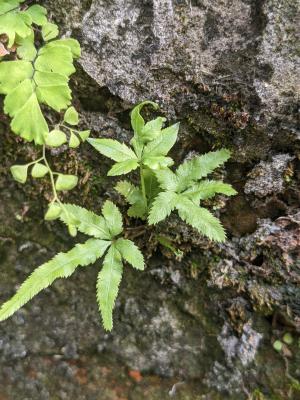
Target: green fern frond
[(200, 219), (113, 149), (28, 84), (199, 167), (130, 253), (15, 22), (62, 265), (208, 189), (85, 221), (162, 207), (131, 192), (108, 283), (113, 218), (137, 121), (123, 167), (161, 145), (167, 179), (133, 196)]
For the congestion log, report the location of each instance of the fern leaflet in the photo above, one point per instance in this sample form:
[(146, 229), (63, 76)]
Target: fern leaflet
[(108, 282), (62, 265)]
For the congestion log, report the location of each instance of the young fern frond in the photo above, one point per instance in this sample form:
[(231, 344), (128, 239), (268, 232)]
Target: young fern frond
[(15, 22), (62, 265), (201, 219), (109, 279), (183, 193), (208, 189), (162, 207), (28, 84), (113, 218), (131, 253), (85, 221), (199, 167), (133, 196)]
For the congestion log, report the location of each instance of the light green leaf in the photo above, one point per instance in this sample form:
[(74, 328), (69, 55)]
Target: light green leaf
[(131, 192), (57, 59), (152, 129), (86, 221), (200, 219), (278, 345), (84, 135), (130, 253), (74, 141), (72, 230), (151, 184), (39, 170), (163, 143), (123, 167), (56, 138), (288, 338), (53, 212), (113, 149), (162, 207), (53, 90), (12, 73), (28, 120), (72, 44), (19, 173), (108, 283), (137, 121), (207, 189), (8, 5), (62, 265), (37, 14), (138, 210), (15, 22), (113, 218), (71, 116), (134, 196), (158, 162), (167, 179), (26, 48), (49, 31), (66, 182), (199, 167)]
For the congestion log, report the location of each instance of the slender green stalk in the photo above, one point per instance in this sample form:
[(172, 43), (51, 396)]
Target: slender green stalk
[(35, 161), (51, 173), (55, 198), (143, 184)]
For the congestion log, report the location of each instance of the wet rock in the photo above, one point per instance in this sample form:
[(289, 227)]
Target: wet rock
[(268, 178), (227, 71)]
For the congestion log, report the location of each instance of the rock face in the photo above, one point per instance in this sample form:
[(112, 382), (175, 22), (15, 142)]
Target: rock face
[(202, 327)]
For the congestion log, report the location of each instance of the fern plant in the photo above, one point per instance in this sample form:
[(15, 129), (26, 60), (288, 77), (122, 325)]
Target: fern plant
[(35, 80), (161, 191), (106, 240)]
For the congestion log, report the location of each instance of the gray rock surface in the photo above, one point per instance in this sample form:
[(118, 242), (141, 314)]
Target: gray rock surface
[(202, 327)]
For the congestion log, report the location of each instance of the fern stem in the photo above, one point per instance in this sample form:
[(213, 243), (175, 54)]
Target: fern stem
[(51, 173), (143, 185), (55, 196)]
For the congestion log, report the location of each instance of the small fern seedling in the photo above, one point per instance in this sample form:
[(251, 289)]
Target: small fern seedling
[(106, 241), (161, 191)]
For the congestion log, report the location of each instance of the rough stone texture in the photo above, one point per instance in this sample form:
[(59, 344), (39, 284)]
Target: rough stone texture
[(197, 328)]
